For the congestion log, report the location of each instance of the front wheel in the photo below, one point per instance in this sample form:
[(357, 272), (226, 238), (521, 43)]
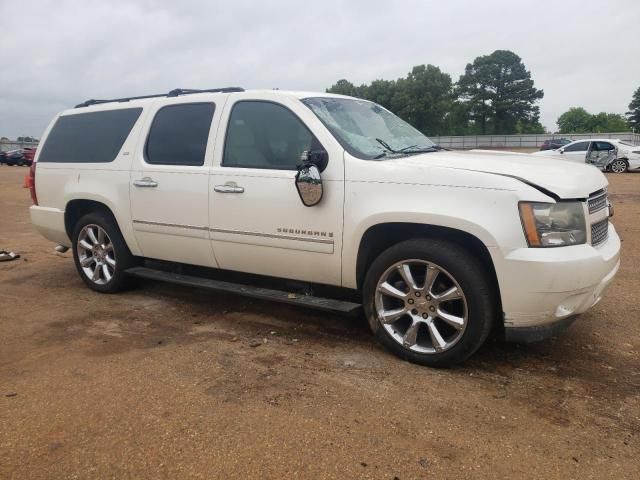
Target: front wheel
[(619, 166), (429, 301), (100, 253)]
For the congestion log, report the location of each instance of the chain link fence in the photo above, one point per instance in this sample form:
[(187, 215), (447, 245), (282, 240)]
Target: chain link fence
[(463, 142), (8, 145)]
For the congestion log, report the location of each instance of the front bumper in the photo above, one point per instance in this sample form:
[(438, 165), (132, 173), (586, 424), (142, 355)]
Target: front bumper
[(537, 332), (542, 288)]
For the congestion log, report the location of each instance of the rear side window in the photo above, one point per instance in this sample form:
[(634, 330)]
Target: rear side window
[(179, 134), (603, 146), (94, 137)]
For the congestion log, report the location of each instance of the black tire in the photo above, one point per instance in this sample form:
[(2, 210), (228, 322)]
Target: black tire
[(121, 254), (620, 160), (471, 276)]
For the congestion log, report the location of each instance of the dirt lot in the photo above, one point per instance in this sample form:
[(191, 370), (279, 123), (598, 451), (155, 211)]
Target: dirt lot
[(161, 382)]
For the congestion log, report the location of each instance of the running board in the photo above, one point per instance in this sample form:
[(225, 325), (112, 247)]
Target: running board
[(308, 301)]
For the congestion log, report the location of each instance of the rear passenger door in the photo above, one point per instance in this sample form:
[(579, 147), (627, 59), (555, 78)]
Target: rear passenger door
[(169, 187), (601, 153)]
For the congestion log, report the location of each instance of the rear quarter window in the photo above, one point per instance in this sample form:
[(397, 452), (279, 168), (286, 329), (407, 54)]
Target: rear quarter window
[(93, 137)]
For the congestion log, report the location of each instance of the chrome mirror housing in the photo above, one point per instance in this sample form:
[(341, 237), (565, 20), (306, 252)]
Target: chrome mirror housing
[(309, 184)]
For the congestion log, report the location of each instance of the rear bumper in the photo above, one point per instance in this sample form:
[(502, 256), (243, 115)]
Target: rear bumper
[(50, 224), (542, 288)]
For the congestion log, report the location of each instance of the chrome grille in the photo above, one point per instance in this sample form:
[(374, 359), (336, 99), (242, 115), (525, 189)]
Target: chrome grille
[(599, 232), (597, 201)]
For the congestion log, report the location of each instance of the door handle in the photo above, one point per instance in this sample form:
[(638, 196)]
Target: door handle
[(145, 182), (228, 189)]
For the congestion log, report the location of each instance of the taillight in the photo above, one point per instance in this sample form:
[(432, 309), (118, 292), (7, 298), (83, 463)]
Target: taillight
[(31, 183)]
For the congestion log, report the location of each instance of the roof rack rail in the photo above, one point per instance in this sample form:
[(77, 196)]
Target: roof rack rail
[(173, 93)]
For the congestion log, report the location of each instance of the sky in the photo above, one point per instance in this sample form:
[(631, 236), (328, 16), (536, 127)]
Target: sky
[(59, 53)]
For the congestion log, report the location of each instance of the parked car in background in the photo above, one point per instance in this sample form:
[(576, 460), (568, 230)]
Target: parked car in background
[(14, 157), (555, 143), (606, 153), (28, 154), (3, 157)]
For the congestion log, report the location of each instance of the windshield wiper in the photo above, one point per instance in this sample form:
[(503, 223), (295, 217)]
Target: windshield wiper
[(387, 146), (404, 149), (421, 150)]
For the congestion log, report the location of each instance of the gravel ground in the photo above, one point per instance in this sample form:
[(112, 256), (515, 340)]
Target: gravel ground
[(163, 382)]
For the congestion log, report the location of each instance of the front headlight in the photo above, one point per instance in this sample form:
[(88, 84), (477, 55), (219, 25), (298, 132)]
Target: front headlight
[(553, 224)]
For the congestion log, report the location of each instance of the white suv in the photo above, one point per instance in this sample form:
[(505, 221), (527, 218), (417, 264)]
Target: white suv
[(328, 191)]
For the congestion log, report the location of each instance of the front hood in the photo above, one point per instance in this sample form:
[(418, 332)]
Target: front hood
[(562, 178)]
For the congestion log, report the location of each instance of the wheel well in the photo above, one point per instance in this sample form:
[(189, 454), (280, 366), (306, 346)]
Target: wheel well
[(380, 237), (76, 209)]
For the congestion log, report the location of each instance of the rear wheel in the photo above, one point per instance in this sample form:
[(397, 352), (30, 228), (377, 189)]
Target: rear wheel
[(429, 301), (619, 166), (100, 253)]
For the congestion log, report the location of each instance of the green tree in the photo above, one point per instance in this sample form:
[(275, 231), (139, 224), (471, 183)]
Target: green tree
[(345, 87), (633, 115), (529, 126), (609, 122), (578, 120), (423, 98), (575, 120), (381, 92), (499, 92)]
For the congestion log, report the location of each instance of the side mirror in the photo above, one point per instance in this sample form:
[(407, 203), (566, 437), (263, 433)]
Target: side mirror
[(319, 158), (561, 150), (309, 184)]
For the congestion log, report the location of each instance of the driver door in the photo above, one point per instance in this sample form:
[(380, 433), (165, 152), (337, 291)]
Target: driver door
[(576, 152), (258, 223)]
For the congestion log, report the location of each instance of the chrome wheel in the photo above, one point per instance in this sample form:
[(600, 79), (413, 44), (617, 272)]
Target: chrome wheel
[(421, 306), (618, 166), (96, 254)]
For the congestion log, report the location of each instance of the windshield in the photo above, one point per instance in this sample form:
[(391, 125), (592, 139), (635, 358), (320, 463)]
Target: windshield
[(367, 130)]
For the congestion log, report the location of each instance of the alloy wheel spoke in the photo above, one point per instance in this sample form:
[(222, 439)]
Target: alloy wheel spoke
[(391, 316), (92, 236), (86, 261), (96, 273), (453, 320), (436, 339), (108, 247), (410, 337), (430, 278), (110, 261), (86, 245), (106, 273), (392, 291), (452, 294), (407, 277), (100, 236)]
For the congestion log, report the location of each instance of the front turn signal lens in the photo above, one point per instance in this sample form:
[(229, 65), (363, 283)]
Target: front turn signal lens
[(528, 219)]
